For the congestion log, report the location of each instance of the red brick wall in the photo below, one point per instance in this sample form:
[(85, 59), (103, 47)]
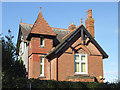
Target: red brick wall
[(35, 45), (65, 65), (66, 62), (35, 52), (30, 66), (53, 69)]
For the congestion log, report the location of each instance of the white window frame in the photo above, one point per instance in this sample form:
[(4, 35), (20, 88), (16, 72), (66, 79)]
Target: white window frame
[(22, 47), (42, 66), (42, 42), (80, 62)]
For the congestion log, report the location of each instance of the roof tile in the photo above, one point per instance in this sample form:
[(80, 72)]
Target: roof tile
[(41, 26)]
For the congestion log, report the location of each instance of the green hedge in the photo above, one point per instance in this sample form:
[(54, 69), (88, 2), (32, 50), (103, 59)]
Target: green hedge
[(25, 83)]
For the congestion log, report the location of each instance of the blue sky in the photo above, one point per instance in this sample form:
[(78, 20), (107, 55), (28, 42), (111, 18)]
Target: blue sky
[(60, 15)]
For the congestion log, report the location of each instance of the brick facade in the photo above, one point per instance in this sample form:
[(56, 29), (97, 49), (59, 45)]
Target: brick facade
[(60, 68)]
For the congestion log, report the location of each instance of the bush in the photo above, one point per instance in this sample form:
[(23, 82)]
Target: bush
[(35, 83)]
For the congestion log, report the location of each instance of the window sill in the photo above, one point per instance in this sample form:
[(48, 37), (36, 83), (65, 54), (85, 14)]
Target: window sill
[(80, 74), (41, 46), (42, 77)]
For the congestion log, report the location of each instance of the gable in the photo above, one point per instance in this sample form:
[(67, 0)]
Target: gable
[(24, 30), (88, 47), (80, 31)]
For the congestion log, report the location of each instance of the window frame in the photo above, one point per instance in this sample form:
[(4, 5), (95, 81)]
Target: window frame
[(42, 45), (42, 67), (80, 63)]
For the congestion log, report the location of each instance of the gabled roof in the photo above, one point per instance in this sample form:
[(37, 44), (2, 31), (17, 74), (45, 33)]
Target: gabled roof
[(25, 29), (41, 27), (68, 41)]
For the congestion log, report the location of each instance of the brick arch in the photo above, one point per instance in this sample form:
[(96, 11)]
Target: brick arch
[(84, 48)]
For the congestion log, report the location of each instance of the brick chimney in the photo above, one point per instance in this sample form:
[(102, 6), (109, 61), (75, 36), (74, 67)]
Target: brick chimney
[(89, 23), (71, 26)]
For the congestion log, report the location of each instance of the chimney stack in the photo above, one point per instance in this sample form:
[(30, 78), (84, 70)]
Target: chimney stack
[(71, 26), (89, 23)]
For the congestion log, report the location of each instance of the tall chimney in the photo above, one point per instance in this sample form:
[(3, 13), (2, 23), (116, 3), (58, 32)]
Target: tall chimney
[(89, 23)]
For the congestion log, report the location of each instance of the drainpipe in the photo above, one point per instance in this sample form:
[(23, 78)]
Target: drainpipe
[(50, 69), (57, 69)]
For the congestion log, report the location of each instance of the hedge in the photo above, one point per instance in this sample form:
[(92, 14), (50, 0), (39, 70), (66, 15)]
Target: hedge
[(35, 83)]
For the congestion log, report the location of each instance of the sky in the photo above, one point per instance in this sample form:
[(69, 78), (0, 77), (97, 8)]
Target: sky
[(61, 14)]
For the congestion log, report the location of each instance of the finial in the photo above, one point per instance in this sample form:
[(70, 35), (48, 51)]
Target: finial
[(21, 20), (40, 8), (81, 21)]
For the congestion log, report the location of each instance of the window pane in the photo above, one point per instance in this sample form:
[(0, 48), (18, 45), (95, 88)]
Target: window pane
[(76, 67), (41, 41), (83, 57), (83, 67), (76, 57), (41, 59), (40, 69)]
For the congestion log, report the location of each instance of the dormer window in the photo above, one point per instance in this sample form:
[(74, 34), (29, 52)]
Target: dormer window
[(41, 42)]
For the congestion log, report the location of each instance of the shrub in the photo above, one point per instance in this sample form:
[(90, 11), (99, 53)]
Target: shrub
[(35, 83)]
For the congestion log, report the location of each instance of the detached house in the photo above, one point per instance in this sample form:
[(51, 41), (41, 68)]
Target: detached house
[(70, 54)]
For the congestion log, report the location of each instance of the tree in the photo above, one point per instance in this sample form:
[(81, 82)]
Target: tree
[(12, 67)]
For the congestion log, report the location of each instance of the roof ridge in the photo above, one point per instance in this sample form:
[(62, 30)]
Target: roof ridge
[(26, 23), (60, 28), (51, 27)]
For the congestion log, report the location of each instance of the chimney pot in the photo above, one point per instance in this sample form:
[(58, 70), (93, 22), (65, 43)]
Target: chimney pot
[(89, 13), (72, 26)]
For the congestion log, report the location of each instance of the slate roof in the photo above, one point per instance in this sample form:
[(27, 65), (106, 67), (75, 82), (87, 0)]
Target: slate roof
[(25, 29), (60, 33)]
